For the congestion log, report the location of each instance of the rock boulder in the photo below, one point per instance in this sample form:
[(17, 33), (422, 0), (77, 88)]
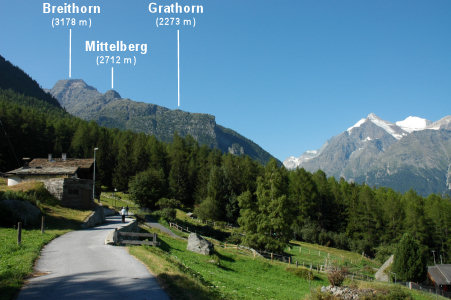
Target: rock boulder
[(198, 244)]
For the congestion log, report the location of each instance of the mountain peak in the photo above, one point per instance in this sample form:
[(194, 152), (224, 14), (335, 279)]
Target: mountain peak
[(72, 83), (389, 127), (112, 94), (372, 116)]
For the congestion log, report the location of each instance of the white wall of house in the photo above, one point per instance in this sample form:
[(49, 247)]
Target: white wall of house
[(14, 180)]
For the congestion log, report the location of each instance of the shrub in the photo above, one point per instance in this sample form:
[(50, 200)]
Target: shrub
[(397, 294), (302, 273), (392, 294), (336, 276), (168, 214), (234, 238)]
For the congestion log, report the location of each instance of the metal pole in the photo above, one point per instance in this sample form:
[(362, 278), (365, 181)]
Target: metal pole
[(19, 233), (42, 224), (94, 177)]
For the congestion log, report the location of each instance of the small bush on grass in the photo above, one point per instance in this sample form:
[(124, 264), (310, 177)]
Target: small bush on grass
[(168, 214), (392, 294), (302, 273), (336, 276)]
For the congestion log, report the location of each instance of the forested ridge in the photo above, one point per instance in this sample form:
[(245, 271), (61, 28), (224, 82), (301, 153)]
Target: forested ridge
[(271, 204)]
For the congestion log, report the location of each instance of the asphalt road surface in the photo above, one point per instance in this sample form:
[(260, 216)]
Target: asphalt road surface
[(160, 227), (78, 265)]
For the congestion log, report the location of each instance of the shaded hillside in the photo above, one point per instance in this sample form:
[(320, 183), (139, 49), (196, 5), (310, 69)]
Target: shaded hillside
[(11, 77)]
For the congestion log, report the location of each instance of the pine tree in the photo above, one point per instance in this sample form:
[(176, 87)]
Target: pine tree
[(268, 226), (409, 263)]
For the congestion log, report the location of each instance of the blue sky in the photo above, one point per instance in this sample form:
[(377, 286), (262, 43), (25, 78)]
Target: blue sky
[(287, 74)]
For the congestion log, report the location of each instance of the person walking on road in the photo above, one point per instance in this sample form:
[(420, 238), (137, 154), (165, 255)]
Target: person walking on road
[(123, 213)]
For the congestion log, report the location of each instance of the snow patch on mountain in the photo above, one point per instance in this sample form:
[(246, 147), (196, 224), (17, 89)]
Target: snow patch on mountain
[(411, 124), (293, 162), (389, 127), (358, 124)]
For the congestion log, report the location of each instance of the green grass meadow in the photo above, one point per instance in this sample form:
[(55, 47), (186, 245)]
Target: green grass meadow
[(232, 274), (224, 275)]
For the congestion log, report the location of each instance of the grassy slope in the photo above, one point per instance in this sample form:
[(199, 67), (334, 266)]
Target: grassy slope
[(232, 275), (16, 263), (308, 254), (227, 274)]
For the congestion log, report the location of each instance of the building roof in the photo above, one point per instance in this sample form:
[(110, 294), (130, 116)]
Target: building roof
[(58, 166), (440, 274), (82, 163)]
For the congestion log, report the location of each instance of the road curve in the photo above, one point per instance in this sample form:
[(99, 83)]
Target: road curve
[(78, 265)]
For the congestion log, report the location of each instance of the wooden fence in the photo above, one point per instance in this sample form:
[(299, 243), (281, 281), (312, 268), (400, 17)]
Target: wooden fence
[(214, 224), (135, 238), (179, 228)]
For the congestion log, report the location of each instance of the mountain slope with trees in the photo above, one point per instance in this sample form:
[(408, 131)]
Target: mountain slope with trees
[(112, 111), (11, 77)]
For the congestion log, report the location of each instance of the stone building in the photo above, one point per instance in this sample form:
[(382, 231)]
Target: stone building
[(68, 179)]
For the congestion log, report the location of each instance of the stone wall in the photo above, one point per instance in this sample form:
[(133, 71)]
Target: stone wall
[(77, 193), (96, 218), (72, 192), (55, 187), (112, 239)]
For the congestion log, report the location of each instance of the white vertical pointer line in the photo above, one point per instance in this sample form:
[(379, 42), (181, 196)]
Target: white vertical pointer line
[(178, 65), (112, 77), (70, 53)]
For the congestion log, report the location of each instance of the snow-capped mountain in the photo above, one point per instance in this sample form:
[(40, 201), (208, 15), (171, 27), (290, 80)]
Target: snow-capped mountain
[(390, 128), (374, 150), (411, 124), (292, 162)]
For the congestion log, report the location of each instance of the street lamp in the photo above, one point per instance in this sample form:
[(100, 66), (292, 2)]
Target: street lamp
[(94, 177), (114, 196)]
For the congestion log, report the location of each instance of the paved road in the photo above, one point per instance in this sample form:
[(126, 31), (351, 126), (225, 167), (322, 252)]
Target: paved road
[(78, 265), (149, 222)]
